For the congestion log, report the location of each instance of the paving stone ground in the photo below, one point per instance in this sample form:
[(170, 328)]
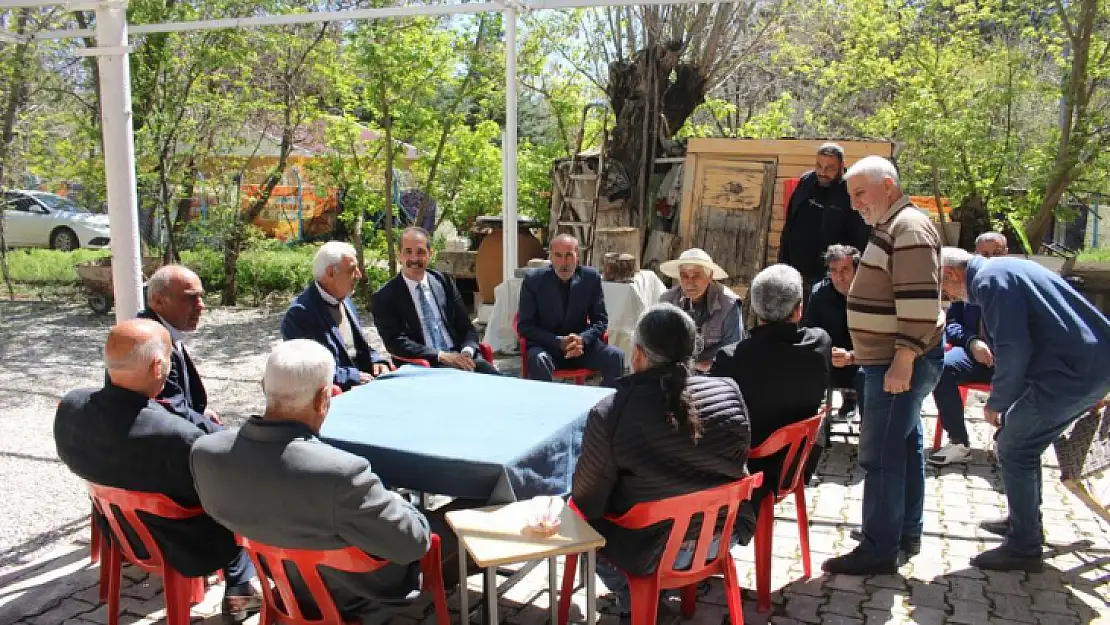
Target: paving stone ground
[(55, 583)]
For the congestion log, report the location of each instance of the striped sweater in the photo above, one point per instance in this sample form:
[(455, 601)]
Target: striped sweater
[(895, 298)]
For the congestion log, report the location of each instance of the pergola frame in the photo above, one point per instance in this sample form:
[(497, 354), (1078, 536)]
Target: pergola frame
[(112, 52)]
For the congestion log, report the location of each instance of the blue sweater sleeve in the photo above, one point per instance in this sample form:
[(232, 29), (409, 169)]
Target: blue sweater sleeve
[(955, 334), (1006, 316)]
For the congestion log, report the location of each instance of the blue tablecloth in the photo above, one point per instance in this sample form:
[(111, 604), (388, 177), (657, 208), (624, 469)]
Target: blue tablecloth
[(448, 432)]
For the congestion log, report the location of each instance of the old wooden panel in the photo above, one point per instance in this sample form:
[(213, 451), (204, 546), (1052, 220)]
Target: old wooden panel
[(726, 186), (785, 147), (618, 240)]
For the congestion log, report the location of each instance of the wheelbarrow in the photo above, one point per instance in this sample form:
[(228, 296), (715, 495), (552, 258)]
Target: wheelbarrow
[(96, 275)]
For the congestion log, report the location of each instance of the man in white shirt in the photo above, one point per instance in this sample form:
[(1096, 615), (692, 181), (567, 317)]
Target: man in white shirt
[(420, 313)]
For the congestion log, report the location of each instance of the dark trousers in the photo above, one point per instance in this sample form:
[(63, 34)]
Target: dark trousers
[(480, 366), (959, 368), (601, 357)]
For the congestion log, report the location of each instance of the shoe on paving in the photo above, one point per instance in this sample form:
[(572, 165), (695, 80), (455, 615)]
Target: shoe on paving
[(998, 527), (240, 603), (951, 453), (859, 562), (910, 545), (1002, 558)]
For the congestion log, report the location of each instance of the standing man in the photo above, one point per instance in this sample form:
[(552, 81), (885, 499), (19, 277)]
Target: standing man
[(176, 302), (1052, 363), (562, 316), (820, 214), (324, 313), (896, 321), (969, 359), (828, 310), (420, 313)]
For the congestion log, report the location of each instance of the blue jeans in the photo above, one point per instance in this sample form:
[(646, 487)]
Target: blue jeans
[(1028, 428), (892, 456), (617, 582), (959, 368)]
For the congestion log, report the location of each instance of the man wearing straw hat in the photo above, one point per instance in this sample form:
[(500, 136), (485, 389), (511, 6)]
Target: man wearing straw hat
[(714, 307)]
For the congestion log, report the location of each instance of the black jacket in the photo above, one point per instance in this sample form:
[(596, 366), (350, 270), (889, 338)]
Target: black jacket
[(543, 318), (783, 373), (118, 438), (817, 218), (184, 393), (630, 455), (828, 309), (398, 322)]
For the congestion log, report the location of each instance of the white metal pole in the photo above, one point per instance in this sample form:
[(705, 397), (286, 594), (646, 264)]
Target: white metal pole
[(119, 156), (509, 174)]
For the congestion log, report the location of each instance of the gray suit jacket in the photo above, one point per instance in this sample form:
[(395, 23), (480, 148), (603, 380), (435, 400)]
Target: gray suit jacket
[(276, 483)]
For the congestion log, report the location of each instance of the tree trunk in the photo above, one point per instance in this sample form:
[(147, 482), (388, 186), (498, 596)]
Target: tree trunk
[(17, 99), (387, 124)]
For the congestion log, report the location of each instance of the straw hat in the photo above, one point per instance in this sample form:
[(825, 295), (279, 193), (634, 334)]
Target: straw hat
[(693, 256)]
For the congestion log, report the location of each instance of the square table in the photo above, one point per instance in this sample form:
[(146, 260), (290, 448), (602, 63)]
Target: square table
[(496, 535), (492, 438)]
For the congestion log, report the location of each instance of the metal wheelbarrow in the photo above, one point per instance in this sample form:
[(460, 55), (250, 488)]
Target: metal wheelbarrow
[(96, 275)]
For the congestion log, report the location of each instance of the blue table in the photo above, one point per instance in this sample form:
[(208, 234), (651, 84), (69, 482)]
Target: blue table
[(448, 432)]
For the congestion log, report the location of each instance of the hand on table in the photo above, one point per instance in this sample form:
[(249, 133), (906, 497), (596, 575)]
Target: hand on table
[(456, 360), (379, 368)]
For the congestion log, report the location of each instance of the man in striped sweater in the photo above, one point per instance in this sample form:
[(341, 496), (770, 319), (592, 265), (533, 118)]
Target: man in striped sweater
[(896, 323)]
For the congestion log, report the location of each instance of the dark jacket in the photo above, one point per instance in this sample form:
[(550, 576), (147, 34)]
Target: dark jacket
[(184, 393), (962, 323), (828, 309), (783, 373), (631, 454), (118, 438), (398, 322), (817, 218), (277, 483), (308, 317), (543, 318), (1046, 337)]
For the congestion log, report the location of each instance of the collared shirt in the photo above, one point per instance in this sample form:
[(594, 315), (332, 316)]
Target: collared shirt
[(176, 336), (339, 314), (432, 305), (327, 296)]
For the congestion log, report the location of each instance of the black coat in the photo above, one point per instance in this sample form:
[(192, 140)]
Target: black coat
[(783, 373), (398, 322), (819, 217), (184, 393), (631, 454), (543, 318), (118, 438)]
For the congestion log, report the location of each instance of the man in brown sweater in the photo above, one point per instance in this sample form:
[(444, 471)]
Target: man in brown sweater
[(896, 322)]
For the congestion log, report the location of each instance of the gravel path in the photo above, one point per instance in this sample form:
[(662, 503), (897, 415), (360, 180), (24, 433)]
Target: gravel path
[(48, 349)]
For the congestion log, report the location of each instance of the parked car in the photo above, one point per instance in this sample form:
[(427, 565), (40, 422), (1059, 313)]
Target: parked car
[(40, 219)]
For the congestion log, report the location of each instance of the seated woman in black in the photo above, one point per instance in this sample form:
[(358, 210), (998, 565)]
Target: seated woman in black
[(663, 433)]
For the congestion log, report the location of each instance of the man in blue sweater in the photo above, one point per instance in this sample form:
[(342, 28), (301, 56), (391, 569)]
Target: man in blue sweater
[(969, 359), (1052, 363)]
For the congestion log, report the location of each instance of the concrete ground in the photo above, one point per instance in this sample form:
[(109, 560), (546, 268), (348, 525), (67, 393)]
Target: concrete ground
[(46, 577)]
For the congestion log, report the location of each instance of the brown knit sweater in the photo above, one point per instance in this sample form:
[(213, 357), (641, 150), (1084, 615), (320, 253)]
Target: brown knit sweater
[(895, 299)]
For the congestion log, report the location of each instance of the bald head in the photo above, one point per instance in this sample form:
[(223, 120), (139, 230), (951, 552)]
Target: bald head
[(137, 355), (177, 295)]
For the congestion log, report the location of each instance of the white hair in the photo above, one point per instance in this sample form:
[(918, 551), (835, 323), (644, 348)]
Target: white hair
[(140, 356), (876, 168), (987, 237), (296, 371), (329, 255), (954, 257), (776, 292), (160, 280)]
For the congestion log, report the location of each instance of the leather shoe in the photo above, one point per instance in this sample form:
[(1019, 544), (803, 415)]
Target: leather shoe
[(1002, 558), (241, 604), (859, 562), (998, 527), (910, 545)]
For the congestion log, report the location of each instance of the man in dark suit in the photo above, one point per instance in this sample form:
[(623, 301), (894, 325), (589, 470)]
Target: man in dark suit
[(827, 309), (176, 302), (782, 369), (247, 479), (420, 313), (323, 312), (820, 214), (118, 436), (562, 316)]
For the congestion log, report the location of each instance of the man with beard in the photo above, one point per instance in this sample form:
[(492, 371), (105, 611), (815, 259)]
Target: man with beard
[(819, 215), (176, 302), (324, 313), (420, 312), (562, 317)]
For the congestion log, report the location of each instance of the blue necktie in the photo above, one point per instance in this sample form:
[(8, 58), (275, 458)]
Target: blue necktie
[(431, 328)]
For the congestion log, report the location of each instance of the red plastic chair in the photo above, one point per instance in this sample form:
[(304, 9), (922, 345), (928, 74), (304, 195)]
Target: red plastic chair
[(680, 510), (797, 439), (578, 375), (938, 434), (94, 540), (307, 562), (788, 187), (483, 349), (180, 591)]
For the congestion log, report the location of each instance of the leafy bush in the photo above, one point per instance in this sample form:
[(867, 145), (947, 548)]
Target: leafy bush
[(47, 266)]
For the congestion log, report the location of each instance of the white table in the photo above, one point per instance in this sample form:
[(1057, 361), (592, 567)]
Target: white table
[(624, 301)]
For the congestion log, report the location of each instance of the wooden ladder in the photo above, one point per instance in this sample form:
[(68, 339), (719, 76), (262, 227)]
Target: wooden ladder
[(578, 215)]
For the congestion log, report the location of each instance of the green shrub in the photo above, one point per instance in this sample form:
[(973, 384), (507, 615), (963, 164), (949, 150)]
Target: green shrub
[(1101, 255), (34, 266)]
